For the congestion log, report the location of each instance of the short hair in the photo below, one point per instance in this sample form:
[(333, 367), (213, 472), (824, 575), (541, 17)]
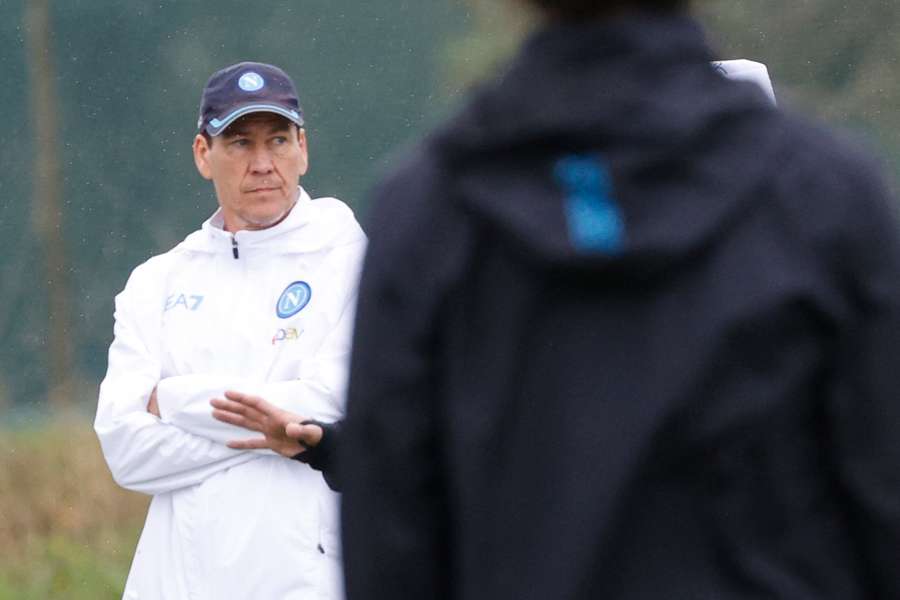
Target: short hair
[(586, 9), (225, 132)]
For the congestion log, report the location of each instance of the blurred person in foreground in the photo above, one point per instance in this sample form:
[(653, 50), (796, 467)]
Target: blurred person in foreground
[(259, 301), (625, 331)]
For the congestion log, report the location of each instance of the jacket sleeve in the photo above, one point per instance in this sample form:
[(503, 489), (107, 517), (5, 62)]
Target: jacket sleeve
[(323, 456), (144, 454)]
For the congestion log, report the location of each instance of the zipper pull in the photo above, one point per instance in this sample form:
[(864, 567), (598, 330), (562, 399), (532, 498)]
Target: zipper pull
[(234, 248)]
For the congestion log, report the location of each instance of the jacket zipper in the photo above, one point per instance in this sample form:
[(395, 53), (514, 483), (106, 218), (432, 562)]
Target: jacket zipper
[(234, 248)]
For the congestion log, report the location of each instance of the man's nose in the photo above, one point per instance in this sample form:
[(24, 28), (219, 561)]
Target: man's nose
[(261, 161)]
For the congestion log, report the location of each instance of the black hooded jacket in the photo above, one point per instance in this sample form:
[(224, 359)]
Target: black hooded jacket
[(626, 331)]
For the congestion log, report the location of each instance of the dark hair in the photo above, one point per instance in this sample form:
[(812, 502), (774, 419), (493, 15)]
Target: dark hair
[(209, 139), (587, 9)]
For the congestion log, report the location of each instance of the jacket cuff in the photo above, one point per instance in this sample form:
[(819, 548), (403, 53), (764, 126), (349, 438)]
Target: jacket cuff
[(321, 457)]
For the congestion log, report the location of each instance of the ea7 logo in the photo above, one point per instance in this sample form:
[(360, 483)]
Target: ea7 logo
[(188, 302)]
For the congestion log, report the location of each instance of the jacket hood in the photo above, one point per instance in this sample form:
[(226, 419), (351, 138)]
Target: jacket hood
[(311, 225), (611, 145)]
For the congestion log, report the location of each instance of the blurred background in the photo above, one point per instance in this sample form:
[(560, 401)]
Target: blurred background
[(101, 99)]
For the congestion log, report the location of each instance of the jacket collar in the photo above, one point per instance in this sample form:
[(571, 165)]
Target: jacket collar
[(212, 238), (298, 216)]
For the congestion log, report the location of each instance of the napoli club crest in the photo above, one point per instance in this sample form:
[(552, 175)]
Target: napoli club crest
[(251, 82), (293, 299)]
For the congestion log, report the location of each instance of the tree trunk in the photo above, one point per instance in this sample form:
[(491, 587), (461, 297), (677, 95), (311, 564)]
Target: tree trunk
[(46, 203)]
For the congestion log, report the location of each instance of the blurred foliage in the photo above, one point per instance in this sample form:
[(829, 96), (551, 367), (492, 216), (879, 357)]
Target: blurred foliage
[(833, 59), (372, 77), (67, 531), (496, 27)]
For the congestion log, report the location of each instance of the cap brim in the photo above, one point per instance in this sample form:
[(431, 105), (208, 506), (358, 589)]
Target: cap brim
[(217, 126)]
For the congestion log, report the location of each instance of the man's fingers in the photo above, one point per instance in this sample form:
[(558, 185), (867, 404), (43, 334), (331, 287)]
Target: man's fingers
[(251, 444), (310, 435), (238, 408), (260, 409), (234, 407), (227, 416), (153, 404), (249, 400)]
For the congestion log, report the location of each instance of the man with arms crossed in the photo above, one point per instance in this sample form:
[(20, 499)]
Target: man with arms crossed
[(259, 300)]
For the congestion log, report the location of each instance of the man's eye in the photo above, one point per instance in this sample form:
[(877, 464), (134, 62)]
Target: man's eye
[(280, 140), (241, 142)]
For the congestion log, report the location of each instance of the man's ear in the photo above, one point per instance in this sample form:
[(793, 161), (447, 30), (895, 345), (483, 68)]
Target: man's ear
[(201, 156), (303, 142)]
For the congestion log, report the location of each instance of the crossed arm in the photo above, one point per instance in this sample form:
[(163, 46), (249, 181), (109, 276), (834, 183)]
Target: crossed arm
[(290, 435), (283, 431), (159, 434), (143, 453)]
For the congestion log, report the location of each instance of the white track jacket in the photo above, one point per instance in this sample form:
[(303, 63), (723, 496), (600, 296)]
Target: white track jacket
[(267, 312)]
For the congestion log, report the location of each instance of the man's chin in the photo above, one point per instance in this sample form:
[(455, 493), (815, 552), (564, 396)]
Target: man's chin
[(266, 220)]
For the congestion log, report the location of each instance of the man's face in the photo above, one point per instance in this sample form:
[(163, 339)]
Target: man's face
[(255, 166)]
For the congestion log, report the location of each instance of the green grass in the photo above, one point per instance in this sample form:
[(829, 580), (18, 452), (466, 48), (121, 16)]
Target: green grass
[(67, 532), (61, 567)]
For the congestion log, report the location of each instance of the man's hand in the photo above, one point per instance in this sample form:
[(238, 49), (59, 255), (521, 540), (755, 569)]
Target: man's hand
[(153, 405), (310, 435), (282, 430)]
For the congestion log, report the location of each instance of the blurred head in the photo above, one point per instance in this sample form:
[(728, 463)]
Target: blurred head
[(251, 144), (571, 10), (255, 165)]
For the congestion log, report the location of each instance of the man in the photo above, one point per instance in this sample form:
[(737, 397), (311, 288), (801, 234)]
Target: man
[(625, 331), (260, 300)]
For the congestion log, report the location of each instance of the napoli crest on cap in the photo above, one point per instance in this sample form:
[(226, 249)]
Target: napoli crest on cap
[(251, 82)]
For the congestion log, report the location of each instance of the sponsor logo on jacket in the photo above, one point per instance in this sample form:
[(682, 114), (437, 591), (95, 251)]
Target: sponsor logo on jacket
[(289, 334)]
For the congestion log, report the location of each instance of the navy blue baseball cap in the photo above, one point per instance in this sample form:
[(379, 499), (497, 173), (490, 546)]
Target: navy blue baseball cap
[(245, 88)]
